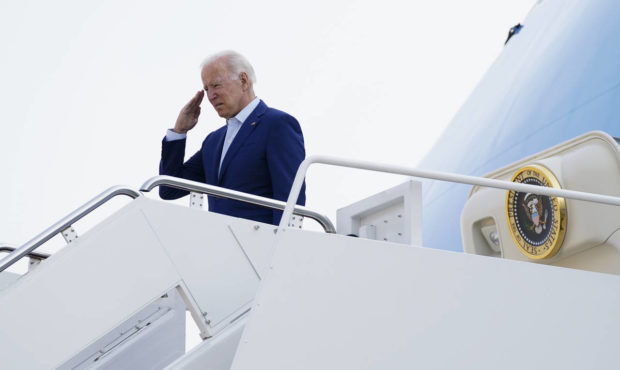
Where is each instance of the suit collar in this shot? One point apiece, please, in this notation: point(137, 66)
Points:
point(243, 115)
point(257, 112)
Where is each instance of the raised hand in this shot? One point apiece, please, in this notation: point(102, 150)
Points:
point(188, 117)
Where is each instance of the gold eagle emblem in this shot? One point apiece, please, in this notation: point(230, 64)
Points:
point(537, 223)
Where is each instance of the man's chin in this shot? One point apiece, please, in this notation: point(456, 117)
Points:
point(222, 114)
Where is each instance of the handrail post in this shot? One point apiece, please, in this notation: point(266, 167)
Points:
point(295, 191)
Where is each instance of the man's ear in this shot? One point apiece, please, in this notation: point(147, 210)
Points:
point(245, 80)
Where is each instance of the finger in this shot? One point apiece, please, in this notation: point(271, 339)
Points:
point(192, 104)
point(201, 95)
point(198, 97)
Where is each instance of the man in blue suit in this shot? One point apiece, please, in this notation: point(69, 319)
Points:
point(258, 151)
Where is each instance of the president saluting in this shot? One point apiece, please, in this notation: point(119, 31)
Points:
point(257, 151)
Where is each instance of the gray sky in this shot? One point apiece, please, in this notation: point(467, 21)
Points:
point(89, 88)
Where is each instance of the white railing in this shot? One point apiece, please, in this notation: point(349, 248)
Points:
point(441, 176)
point(65, 224)
point(202, 188)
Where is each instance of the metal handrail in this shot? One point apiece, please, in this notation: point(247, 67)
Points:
point(441, 176)
point(8, 248)
point(67, 221)
point(199, 187)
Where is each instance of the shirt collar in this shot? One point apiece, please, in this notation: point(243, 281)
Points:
point(245, 112)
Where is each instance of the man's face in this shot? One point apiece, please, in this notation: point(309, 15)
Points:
point(225, 94)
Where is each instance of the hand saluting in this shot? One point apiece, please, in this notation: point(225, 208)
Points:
point(188, 117)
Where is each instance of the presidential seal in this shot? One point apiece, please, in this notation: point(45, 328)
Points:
point(537, 223)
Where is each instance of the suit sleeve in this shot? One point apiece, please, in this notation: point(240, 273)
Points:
point(285, 152)
point(171, 164)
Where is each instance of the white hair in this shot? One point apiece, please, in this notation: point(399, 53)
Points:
point(235, 62)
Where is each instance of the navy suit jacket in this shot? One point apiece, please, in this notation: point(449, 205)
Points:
point(262, 159)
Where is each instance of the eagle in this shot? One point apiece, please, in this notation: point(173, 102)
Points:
point(532, 204)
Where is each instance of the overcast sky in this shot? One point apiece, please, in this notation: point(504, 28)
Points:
point(88, 88)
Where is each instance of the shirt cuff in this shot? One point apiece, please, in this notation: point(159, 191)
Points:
point(172, 136)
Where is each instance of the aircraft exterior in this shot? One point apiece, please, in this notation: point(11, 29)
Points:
point(557, 78)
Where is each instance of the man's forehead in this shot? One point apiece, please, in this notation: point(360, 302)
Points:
point(214, 70)
point(214, 79)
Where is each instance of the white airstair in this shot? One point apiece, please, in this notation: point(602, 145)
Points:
point(116, 296)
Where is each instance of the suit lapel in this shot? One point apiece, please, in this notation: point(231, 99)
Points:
point(213, 158)
point(246, 129)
